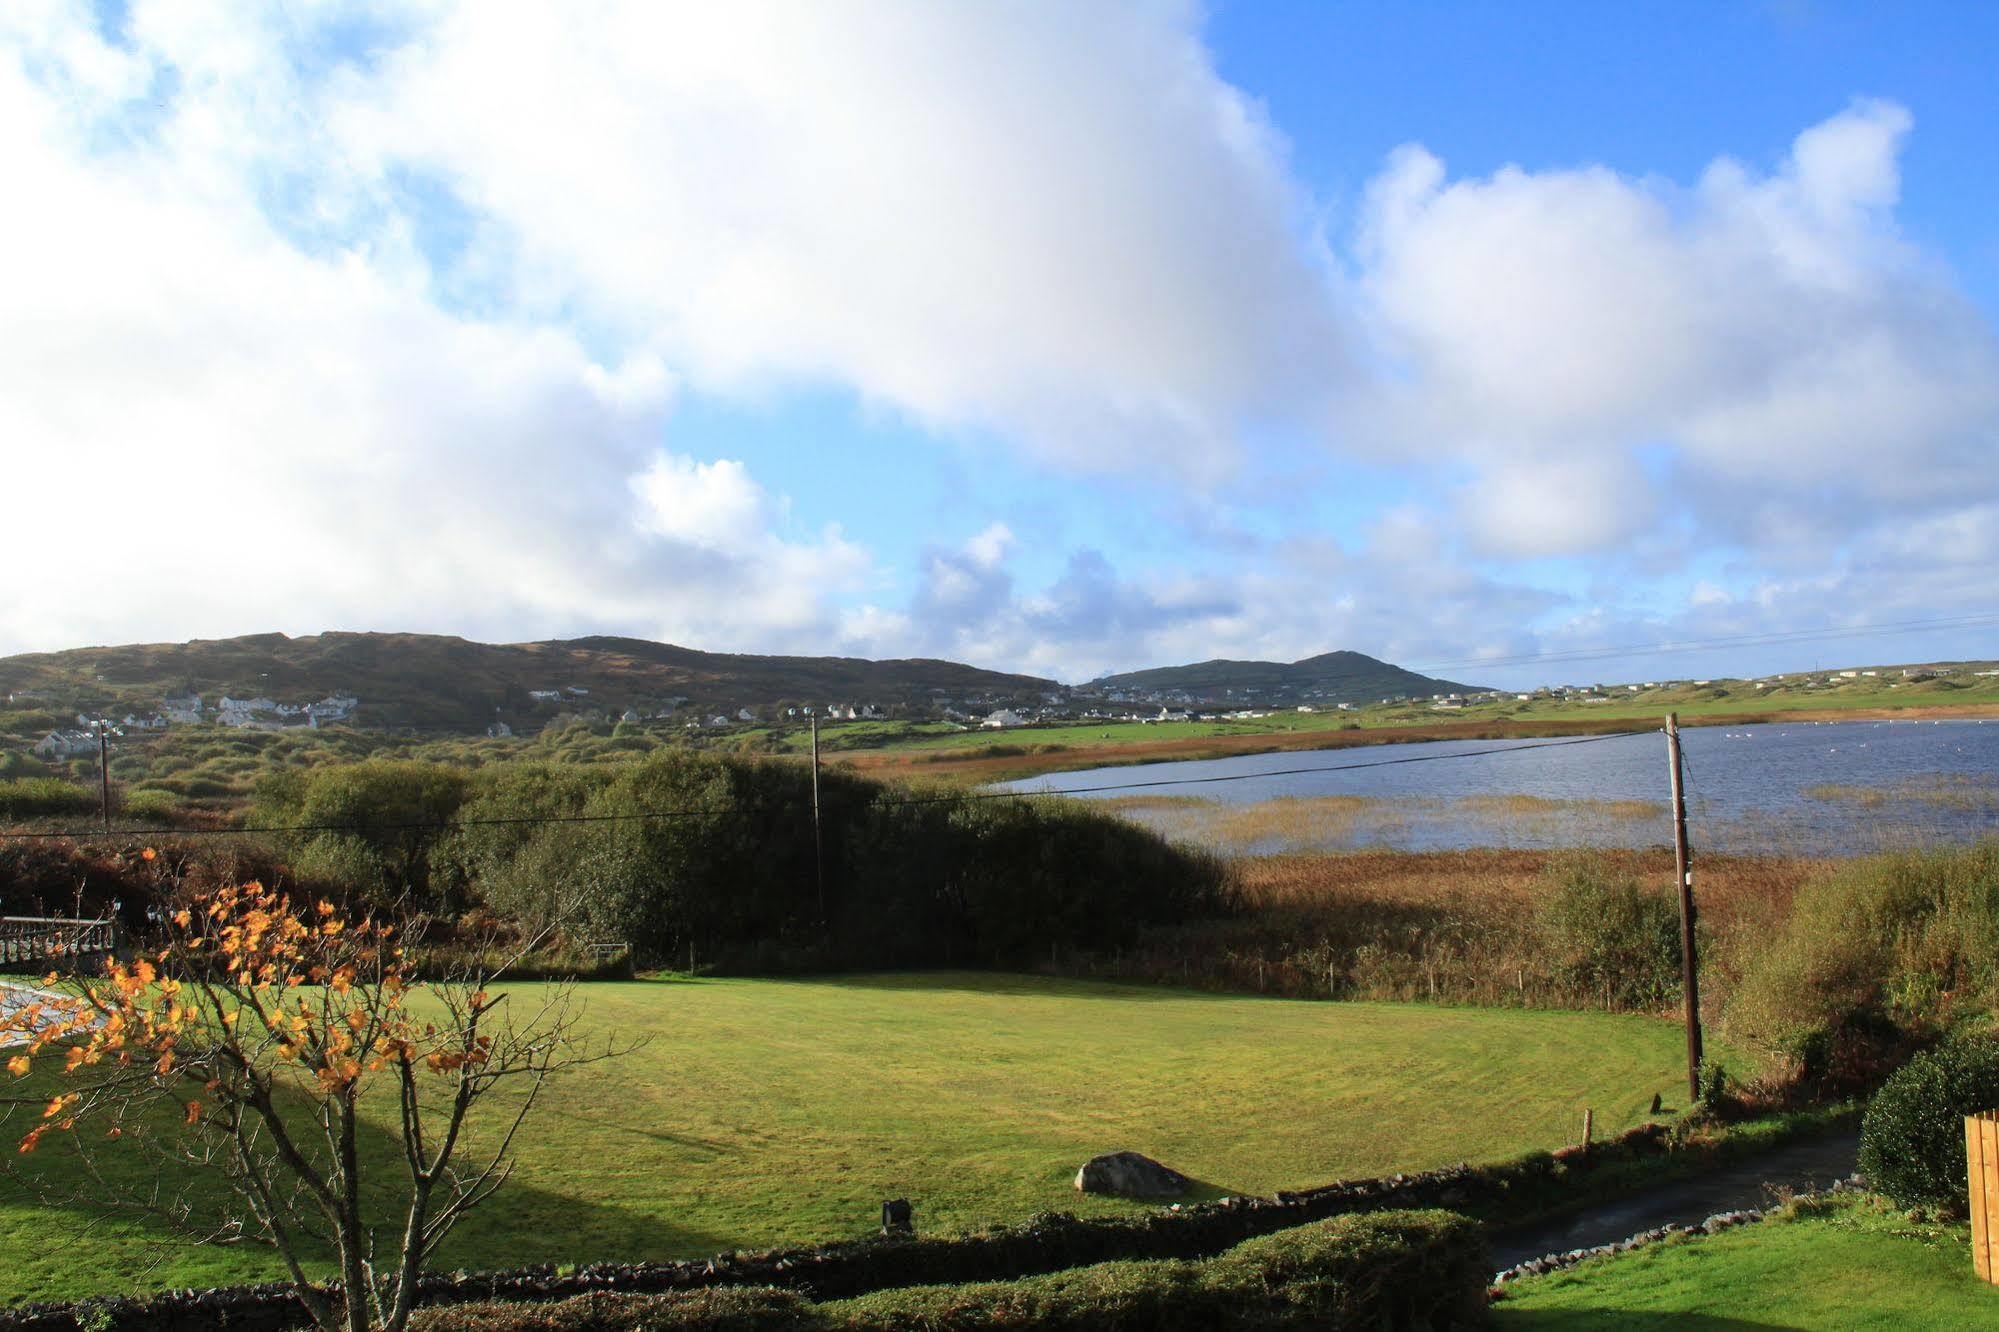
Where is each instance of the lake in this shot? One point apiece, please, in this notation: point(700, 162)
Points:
point(1827, 788)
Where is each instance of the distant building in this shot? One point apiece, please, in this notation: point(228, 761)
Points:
point(499, 730)
point(66, 744)
point(1001, 718)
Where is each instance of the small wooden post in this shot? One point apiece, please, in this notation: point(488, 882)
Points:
point(1981, 1159)
point(1689, 962)
point(1589, 1128)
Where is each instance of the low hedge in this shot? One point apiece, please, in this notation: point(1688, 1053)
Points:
point(1383, 1270)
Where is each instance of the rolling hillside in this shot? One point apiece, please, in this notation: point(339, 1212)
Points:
point(428, 679)
point(1331, 677)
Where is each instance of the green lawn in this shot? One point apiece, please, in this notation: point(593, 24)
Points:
point(769, 1111)
point(1846, 1264)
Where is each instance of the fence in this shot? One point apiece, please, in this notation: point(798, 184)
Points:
point(1981, 1152)
point(39, 943)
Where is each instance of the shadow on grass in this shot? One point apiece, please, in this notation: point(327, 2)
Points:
point(527, 1222)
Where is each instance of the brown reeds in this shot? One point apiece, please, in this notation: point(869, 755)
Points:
point(1445, 926)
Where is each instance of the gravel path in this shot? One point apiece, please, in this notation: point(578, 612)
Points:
point(1802, 1167)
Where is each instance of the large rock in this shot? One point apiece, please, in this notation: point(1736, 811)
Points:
point(1130, 1175)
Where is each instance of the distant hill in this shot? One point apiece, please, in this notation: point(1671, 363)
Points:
point(429, 679)
point(1332, 677)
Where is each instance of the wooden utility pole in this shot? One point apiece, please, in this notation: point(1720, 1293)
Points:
point(818, 856)
point(103, 780)
point(1689, 960)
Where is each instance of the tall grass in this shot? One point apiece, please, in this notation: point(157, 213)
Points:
point(1490, 927)
point(1878, 954)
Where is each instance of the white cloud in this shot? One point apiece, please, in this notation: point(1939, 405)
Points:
point(210, 431)
point(393, 338)
point(1772, 333)
point(1050, 221)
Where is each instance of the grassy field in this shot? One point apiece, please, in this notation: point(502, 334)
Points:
point(1846, 1264)
point(777, 1111)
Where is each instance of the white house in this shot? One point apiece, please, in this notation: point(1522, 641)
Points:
point(1002, 718)
point(66, 744)
point(545, 695)
point(744, 714)
point(258, 704)
point(499, 730)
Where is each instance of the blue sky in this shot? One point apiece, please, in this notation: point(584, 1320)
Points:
point(1055, 338)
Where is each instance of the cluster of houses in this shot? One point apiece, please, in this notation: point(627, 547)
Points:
point(261, 714)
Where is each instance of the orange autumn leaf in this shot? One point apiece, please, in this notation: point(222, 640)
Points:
point(18, 1066)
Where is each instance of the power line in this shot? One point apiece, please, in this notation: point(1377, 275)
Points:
point(453, 825)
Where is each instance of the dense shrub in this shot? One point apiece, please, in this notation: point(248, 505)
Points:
point(1608, 935)
point(1382, 1270)
point(44, 797)
point(692, 851)
point(1912, 1139)
point(1883, 952)
point(723, 1309)
point(375, 825)
point(149, 805)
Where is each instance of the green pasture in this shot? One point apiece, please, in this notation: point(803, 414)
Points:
point(1845, 1264)
point(763, 1111)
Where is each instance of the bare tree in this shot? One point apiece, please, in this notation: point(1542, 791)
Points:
point(248, 1058)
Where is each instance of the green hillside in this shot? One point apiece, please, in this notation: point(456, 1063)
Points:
point(1331, 677)
point(431, 679)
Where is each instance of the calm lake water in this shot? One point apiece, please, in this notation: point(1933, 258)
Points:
point(1839, 788)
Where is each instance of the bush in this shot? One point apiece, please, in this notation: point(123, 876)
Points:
point(1912, 1138)
point(1888, 951)
point(149, 805)
point(1608, 935)
point(393, 807)
point(1385, 1269)
point(749, 1309)
point(44, 797)
point(685, 849)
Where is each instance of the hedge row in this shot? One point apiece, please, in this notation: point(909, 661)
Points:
point(1386, 1270)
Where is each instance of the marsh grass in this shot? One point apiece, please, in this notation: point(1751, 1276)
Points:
point(1461, 927)
point(1347, 822)
point(1959, 792)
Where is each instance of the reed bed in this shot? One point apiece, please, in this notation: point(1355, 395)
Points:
point(1289, 824)
point(1459, 927)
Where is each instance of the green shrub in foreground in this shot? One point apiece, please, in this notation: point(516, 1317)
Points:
point(1384, 1270)
point(1912, 1139)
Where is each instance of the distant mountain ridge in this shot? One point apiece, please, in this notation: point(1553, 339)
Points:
point(433, 679)
point(1331, 677)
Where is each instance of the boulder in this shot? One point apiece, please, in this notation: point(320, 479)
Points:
point(1130, 1175)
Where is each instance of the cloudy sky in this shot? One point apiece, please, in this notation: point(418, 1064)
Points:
point(1047, 336)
